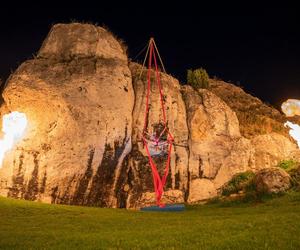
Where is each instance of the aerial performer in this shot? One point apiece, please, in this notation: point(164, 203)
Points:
point(157, 138)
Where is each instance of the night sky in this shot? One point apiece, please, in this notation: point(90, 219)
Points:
point(257, 47)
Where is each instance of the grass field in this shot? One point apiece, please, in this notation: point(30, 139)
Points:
point(273, 224)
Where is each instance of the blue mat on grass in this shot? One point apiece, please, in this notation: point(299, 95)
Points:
point(167, 208)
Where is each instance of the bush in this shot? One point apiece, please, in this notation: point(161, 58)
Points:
point(239, 182)
point(198, 78)
point(288, 165)
point(292, 167)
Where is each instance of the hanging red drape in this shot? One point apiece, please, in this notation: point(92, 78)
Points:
point(158, 182)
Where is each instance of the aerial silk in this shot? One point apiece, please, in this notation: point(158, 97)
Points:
point(156, 141)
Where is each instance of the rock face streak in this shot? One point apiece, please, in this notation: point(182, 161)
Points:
point(85, 105)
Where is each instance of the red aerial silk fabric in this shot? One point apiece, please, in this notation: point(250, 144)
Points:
point(158, 182)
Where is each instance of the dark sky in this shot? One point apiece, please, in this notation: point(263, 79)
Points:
point(257, 46)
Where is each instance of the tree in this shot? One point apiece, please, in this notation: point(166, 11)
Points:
point(198, 78)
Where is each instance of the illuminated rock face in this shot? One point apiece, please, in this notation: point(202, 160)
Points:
point(140, 178)
point(271, 148)
point(78, 97)
point(85, 108)
point(217, 149)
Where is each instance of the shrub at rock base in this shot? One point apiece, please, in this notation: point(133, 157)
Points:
point(239, 182)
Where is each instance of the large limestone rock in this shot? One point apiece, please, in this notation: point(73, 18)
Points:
point(255, 117)
point(78, 97)
point(272, 180)
point(217, 150)
point(85, 105)
point(272, 148)
point(67, 42)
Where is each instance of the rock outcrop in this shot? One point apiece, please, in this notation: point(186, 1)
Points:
point(213, 139)
point(270, 149)
point(255, 117)
point(78, 97)
point(85, 104)
point(272, 180)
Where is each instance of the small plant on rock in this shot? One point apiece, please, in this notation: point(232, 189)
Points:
point(288, 165)
point(198, 78)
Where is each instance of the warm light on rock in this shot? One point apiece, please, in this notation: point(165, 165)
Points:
point(85, 108)
point(294, 131)
point(291, 107)
point(13, 127)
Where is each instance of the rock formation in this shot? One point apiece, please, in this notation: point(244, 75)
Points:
point(272, 180)
point(255, 117)
point(78, 97)
point(85, 105)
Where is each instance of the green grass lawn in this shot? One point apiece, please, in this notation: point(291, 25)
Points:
point(274, 224)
